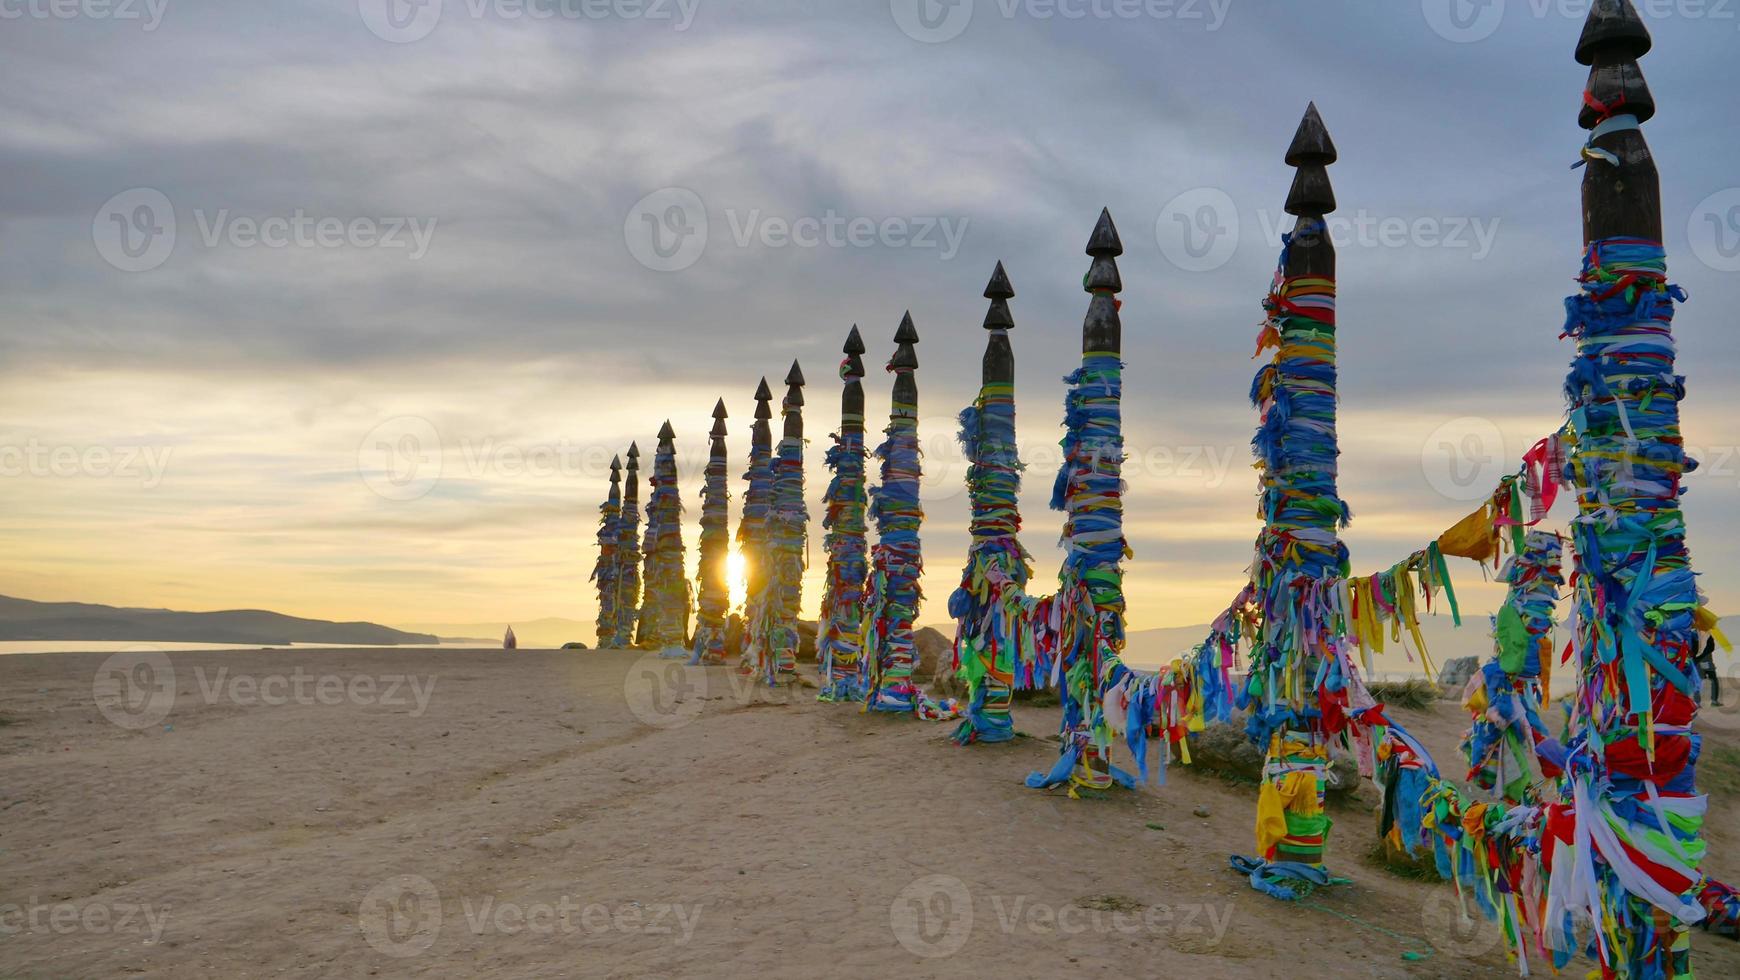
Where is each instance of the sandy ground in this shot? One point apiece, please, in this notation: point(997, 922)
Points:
point(381, 813)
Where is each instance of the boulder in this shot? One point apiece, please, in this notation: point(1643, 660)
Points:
point(1457, 671)
point(573, 645)
point(935, 655)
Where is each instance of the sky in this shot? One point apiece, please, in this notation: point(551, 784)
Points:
point(341, 308)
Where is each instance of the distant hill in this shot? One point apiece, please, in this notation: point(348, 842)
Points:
point(25, 619)
point(542, 634)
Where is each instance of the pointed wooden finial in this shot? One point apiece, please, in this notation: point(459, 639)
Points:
point(666, 433)
point(854, 342)
point(762, 396)
point(1104, 240)
point(998, 291)
point(998, 366)
point(633, 455)
point(719, 410)
point(1621, 189)
point(1311, 142)
point(1615, 27)
point(1311, 152)
point(795, 377)
point(615, 464)
point(1101, 329)
point(907, 334)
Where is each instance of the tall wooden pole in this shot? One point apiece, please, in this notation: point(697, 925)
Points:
point(1089, 490)
point(1297, 664)
point(628, 554)
point(839, 635)
point(1637, 839)
point(752, 534)
point(987, 607)
point(714, 581)
point(897, 560)
point(664, 616)
point(788, 529)
point(605, 571)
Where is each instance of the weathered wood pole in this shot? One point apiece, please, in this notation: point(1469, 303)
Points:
point(628, 554)
point(605, 570)
point(664, 613)
point(1638, 831)
point(897, 560)
point(713, 579)
point(788, 529)
point(840, 634)
point(1089, 490)
point(752, 535)
point(987, 605)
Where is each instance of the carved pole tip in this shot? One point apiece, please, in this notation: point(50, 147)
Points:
point(1104, 240)
point(1613, 27)
point(854, 343)
point(907, 334)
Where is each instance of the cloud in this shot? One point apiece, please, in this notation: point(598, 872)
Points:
point(530, 332)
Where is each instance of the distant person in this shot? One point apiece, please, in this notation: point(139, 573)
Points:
point(1705, 662)
point(508, 642)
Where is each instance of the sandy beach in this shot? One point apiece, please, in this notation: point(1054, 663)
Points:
point(422, 813)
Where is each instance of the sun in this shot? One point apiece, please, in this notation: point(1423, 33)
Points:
point(737, 577)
